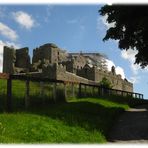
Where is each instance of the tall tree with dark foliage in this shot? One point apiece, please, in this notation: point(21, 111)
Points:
point(131, 28)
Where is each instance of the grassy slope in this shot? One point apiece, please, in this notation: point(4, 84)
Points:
point(78, 121)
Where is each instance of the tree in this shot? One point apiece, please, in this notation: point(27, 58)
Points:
point(105, 83)
point(131, 28)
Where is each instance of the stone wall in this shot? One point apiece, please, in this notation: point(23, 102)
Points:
point(52, 62)
point(74, 63)
point(58, 72)
point(62, 55)
point(22, 58)
point(9, 59)
point(94, 74)
point(42, 53)
point(47, 54)
point(79, 62)
point(116, 80)
point(15, 61)
point(87, 72)
point(49, 71)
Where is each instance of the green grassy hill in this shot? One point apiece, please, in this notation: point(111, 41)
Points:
point(78, 120)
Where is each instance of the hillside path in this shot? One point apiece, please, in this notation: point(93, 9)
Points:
point(131, 127)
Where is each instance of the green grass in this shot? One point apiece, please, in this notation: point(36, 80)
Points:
point(79, 121)
point(29, 128)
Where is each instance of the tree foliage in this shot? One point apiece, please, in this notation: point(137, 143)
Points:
point(105, 83)
point(131, 28)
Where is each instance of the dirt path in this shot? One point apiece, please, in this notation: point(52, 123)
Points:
point(132, 126)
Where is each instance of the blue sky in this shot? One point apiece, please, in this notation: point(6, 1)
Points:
point(74, 28)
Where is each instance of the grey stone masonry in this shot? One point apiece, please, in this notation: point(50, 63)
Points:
point(9, 59)
point(16, 61)
point(50, 61)
point(22, 58)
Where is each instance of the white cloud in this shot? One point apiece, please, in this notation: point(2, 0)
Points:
point(136, 69)
point(107, 25)
point(100, 28)
point(119, 70)
point(2, 44)
point(109, 64)
point(24, 19)
point(135, 79)
point(130, 56)
point(8, 32)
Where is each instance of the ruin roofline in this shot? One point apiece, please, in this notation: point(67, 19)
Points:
point(52, 62)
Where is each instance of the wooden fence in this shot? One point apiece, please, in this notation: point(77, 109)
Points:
point(82, 88)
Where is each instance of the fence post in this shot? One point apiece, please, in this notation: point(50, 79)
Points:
point(102, 91)
point(131, 94)
point(80, 93)
point(41, 88)
point(108, 92)
point(54, 91)
point(42, 95)
point(65, 91)
point(9, 95)
point(122, 94)
point(116, 92)
point(27, 98)
point(73, 90)
point(135, 95)
point(85, 91)
point(98, 90)
point(93, 91)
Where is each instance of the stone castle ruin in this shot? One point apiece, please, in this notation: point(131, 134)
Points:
point(50, 61)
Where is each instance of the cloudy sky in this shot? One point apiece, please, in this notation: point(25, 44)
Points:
point(74, 28)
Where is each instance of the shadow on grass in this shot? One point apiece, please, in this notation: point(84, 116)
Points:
point(88, 115)
point(84, 114)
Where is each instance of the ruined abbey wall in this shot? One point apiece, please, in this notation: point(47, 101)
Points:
point(58, 72)
point(97, 75)
point(22, 58)
point(16, 61)
point(9, 59)
point(45, 53)
point(51, 62)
